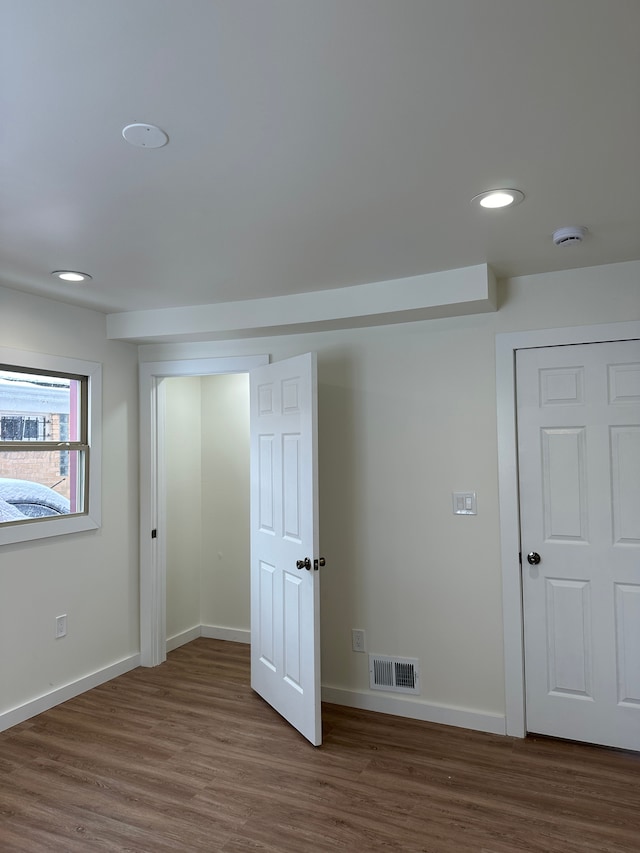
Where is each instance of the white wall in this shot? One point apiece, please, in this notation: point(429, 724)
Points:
point(183, 465)
point(408, 415)
point(92, 576)
point(207, 487)
point(225, 502)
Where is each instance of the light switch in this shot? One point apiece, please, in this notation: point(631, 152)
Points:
point(464, 503)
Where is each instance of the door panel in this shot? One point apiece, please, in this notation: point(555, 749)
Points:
point(564, 484)
point(291, 476)
point(285, 607)
point(292, 612)
point(265, 647)
point(265, 484)
point(628, 638)
point(569, 659)
point(579, 469)
point(625, 484)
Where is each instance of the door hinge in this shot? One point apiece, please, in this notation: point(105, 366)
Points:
point(154, 533)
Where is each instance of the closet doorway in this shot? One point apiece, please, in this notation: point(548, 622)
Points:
point(153, 492)
point(206, 495)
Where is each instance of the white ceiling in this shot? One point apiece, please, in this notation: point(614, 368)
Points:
point(314, 144)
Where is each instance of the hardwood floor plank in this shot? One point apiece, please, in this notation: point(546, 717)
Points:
point(185, 757)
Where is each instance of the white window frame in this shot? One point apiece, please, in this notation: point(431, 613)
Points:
point(42, 528)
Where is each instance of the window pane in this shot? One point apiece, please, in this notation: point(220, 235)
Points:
point(38, 407)
point(40, 483)
point(50, 406)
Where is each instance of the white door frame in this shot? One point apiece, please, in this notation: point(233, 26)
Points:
point(153, 571)
point(506, 347)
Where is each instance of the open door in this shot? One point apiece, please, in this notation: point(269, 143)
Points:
point(285, 601)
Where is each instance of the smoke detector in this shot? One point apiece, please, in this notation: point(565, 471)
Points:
point(145, 135)
point(571, 235)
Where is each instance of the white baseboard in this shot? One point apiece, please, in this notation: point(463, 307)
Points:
point(234, 635)
point(185, 637)
point(400, 707)
point(405, 707)
point(212, 632)
point(61, 694)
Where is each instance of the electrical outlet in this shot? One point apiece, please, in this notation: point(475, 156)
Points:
point(61, 626)
point(358, 640)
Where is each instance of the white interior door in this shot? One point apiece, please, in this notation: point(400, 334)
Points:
point(579, 466)
point(285, 602)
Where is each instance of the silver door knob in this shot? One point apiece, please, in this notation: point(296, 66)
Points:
point(304, 564)
point(533, 558)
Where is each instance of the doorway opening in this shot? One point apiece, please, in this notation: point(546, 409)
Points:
point(153, 546)
point(285, 604)
point(205, 454)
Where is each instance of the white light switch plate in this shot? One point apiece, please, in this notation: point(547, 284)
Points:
point(464, 503)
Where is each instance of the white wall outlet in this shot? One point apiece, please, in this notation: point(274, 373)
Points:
point(61, 626)
point(358, 643)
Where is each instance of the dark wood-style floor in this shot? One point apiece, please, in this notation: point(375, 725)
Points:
point(185, 757)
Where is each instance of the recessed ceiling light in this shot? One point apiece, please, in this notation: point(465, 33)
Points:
point(495, 199)
point(70, 275)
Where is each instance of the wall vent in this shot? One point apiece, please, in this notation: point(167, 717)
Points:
point(400, 675)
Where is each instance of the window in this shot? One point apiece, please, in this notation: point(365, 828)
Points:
point(49, 446)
